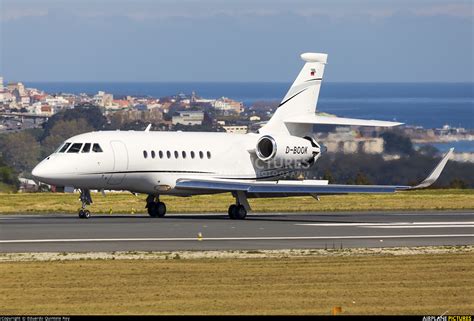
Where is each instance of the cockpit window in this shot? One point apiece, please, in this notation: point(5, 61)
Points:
point(75, 148)
point(96, 148)
point(87, 148)
point(64, 148)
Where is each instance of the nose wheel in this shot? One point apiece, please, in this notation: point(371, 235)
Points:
point(86, 199)
point(84, 213)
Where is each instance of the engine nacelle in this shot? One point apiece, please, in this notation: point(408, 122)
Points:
point(287, 149)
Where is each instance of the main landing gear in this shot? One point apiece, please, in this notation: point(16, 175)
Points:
point(155, 207)
point(239, 210)
point(86, 199)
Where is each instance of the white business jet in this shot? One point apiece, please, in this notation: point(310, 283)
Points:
point(190, 163)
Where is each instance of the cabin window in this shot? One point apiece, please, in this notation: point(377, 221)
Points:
point(201, 155)
point(160, 153)
point(168, 154)
point(184, 154)
point(152, 154)
point(64, 148)
point(145, 154)
point(96, 148)
point(86, 148)
point(176, 154)
point(209, 155)
point(192, 155)
point(75, 148)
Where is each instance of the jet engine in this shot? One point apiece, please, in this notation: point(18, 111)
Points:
point(287, 149)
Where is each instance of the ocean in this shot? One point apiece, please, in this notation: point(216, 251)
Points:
point(430, 105)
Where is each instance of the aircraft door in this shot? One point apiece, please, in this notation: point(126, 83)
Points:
point(120, 163)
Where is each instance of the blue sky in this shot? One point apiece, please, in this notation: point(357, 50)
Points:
point(210, 40)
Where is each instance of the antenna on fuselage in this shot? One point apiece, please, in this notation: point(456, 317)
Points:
point(147, 129)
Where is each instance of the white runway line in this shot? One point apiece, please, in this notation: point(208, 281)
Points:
point(263, 238)
point(397, 225)
point(419, 226)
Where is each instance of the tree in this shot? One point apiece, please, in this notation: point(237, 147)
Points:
point(63, 130)
point(361, 179)
point(8, 176)
point(328, 176)
point(458, 183)
point(91, 114)
point(397, 144)
point(20, 151)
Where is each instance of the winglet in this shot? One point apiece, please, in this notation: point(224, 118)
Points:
point(436, 172)
point(147, 129)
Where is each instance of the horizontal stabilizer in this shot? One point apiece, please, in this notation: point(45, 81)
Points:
point(325, 120)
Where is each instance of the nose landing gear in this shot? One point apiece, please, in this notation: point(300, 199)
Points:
point(86, 199)
point(155, 207)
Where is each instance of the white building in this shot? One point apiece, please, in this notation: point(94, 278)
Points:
point(57, 101)
point(103, 99)
point(188, 118)
point(236, 129)
point(227, 104)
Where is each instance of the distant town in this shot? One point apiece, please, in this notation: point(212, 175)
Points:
point(28, 108)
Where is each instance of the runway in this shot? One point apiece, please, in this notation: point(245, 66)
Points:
point(58, 233)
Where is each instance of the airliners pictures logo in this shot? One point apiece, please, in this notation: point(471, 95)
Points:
point(448, 318)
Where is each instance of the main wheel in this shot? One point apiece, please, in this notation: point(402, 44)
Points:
point(231, 211)
point(81, 213)
point(240, 212)
point(160, 209)
point(151, 207)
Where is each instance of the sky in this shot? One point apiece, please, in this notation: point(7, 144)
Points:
point(216, 40)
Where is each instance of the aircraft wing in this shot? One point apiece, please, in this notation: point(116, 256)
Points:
point(312, 187)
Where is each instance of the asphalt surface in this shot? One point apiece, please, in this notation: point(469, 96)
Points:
point(57, 233)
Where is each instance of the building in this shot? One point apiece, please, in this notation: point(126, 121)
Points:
point(18, 86)
point(347, 141)
point(188, 118)
point(103, 99)
point(236, 129)
point(227, 104)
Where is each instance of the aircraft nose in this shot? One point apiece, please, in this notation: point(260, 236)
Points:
point(41, 172)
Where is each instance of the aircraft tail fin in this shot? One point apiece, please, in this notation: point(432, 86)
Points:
point(302, 97)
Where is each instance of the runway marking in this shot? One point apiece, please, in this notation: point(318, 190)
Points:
point(396, 224)
point(419, 226)
point(263, 238)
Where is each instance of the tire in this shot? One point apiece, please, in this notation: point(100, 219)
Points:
point(151, 208)
point(232, 211)
point(160, 209)
point(81, 214)
point(86, 214)
point(240, 212)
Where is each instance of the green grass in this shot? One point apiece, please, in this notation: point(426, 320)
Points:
point(436, 199)
point(413, 284)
